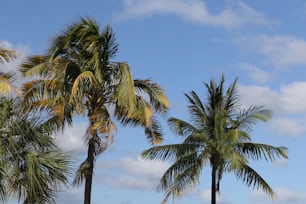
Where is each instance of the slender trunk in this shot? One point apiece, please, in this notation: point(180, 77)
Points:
point(89, 173)
point(213, 185)
point(90, 152)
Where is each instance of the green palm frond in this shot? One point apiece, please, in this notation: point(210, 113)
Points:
point(258, 151)
point(80, 174)
point(252, 179)
point(124, 89)
point(45, 166)
point(180, 127)
point(169, 152)
point(35, 167)
point(183, 173)
point(110, 47)
point(35, 65)
point(197, 138)
point(248, 117)
point(231, 102)
point(154, 133)
point(196, 109)
point(234, 136)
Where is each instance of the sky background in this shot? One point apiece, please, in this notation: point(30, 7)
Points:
point(180, 44)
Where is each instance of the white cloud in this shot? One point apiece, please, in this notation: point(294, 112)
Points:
point(284, 196)
point(259, 95)
point(13, 66)
point(280, 51)
point(233, 15)
point(135, 173)
point(289, 99)
point(256, 74)
point(72, 139)
point(293, 97)
point(206, 197)
point(22, 52)
point(287, 126)
point(287, 103)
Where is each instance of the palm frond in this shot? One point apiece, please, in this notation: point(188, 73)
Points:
point(258, 151)
point(110, 48)
point(154, 92)
point(183, 174)
point(7, 54)
point(248, 117)
point(196, 109)
point(80, 174)
point(169, 152)
point(180, 127)
point(231, 102)
point(35, 65)
point(7, 84)
point(81, 86)
point(154, 133)
point(125, 95)
point(251, 178)
point(36, 168)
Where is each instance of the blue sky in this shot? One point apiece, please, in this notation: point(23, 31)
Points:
point(180, 44)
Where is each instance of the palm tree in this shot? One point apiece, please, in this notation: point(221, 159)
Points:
point(79, 78)
point(219, 136)
point(31, 167)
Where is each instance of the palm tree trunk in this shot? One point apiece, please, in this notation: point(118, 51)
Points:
point(213, 185)
point(89, 173)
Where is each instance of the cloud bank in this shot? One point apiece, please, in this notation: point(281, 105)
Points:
point(281, 51)
point(133, 173)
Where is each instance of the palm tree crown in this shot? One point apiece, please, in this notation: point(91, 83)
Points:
point(219, 136)
point(79, 78)
point(32, 168)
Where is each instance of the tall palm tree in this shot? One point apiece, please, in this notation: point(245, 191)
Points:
point(79, 78)
point(219, 135)
point(31, 167)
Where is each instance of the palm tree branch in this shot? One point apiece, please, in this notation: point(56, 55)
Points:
point(251, 178)
point(154, 92)
point(259, 151)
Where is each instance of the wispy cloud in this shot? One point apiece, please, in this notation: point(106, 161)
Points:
point(72, 138)
point(22, 52)
point(284, 196)
point(279, 51)
point(289, 126)
point(257, 75)
point(289, 99)
point(236, 14)
point(287, 105)
point(133, 173)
